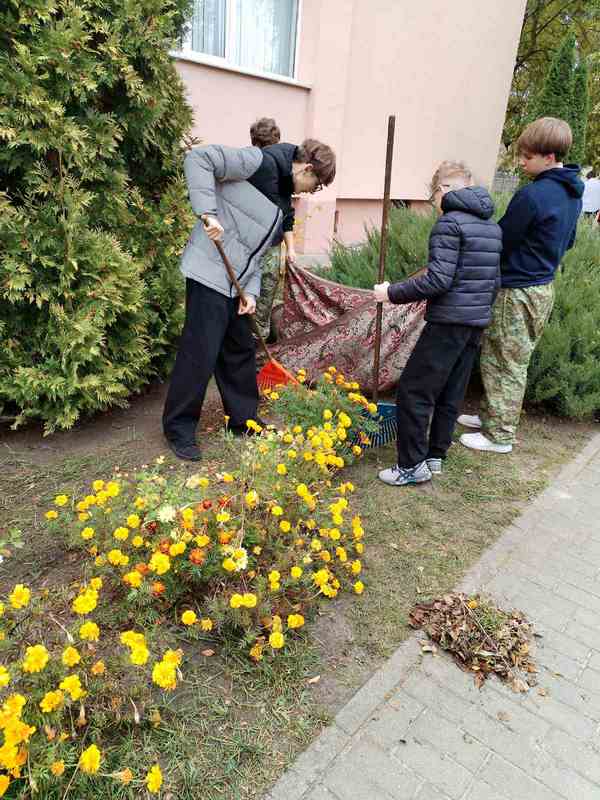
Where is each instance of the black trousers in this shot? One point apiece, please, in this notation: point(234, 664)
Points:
point(217, 341)
point(431, 390)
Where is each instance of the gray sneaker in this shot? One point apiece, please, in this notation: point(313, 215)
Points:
point(435, 465)
point(405, 476)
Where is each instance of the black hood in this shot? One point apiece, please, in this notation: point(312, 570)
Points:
point(283, 153)
point(568, 176)
point(473, 200)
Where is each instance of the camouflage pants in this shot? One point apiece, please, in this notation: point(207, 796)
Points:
point(268, 289)
point(518, 320)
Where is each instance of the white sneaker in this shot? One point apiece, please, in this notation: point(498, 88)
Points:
point(435, 465)
point(477, 441)
point(469, 421)
point(405, 476)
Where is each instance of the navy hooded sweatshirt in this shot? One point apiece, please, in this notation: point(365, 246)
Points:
point(539, 226)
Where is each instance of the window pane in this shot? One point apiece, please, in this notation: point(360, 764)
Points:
point(208, 27)
point(265, 35)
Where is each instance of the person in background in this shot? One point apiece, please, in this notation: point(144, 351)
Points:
point(460, 284)
point(286, 169)
point(539, 226)
point(264, 131)
point(591, 196)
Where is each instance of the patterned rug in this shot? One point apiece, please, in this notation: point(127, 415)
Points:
point(322, 323)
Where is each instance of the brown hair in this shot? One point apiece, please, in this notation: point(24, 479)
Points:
point(264, 131)
point(456, 173)
point(322, 158)
point(546, 136)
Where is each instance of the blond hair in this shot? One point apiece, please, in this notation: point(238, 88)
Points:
point(546, 136)
point(454, 174)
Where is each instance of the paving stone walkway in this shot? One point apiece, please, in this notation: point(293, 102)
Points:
point(420, 730)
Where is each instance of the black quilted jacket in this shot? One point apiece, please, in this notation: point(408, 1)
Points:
point(463, 273)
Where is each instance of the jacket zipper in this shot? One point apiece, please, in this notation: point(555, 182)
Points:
point(255, 251)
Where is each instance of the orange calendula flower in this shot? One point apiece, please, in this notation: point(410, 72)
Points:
point(57, 768)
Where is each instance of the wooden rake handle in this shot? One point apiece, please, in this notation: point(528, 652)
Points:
point(383, 249)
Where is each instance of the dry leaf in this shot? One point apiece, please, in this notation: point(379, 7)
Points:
point(543, 692)
point(503, 716)
point(207, 653)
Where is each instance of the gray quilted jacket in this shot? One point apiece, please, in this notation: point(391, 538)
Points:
point(217, 184)
point(463, 273)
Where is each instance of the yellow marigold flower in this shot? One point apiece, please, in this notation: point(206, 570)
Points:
point(356, 567)
point(249, 600)
point(14, 704)
point(308, 456)
point(36, 658)
point(295, 621)
point(20, 596)
point(173, 657)
point(325, 556)
point(316, 545)
point(154, 779)
point(227, 477)
point(321, 577)
point(99, 561)
point(223, 516)
point(132, 638)
point(189, 617)
point(112, 489)
point(57, 768)
point(85, 602)
point(133, 578)
point(115, 557)
point(206, 624)
point(276, 640)
point(52, 514)
point(82, 505)
point(297, 429)
point(229, 565)
point(99, 668)
point(277, 511)
point(356, 450)
point(4, 784)
point(177, 549)
point(359, 547)
point(341, 554)
point(281, 469)
point(137, 541)
point(257, 550)
point(292, 454)
point(256, 651)
point(327, 414)
point(236, 600)
point(160, 563)
point(51, 701)
point(274, 576)
point(202, 540)
point(87, 533)
point(72, 685)
point(359, 587)
point(96, 584)
point(61, 499)
point(89, 761)
point(133, 521)
point(285, 526)
point(251, 498)
point(98, 485)
point(302, 490)
point(163, 675)
point(296, 572)
point(121, 533)
point(139, 503)
point(4, 676)
point(70, 657)
point(139, 655)
point(84, 516)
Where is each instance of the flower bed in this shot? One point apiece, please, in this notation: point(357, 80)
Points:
point(247, 553)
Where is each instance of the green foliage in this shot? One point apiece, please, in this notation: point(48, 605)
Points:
point(93, 214)
point(556, 96)
point(564, 375)
point(407, 251)
point(579, 113)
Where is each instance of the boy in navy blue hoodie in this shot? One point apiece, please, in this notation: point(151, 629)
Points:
point(539, 226)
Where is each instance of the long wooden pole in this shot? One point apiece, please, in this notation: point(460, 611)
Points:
point(383, 249)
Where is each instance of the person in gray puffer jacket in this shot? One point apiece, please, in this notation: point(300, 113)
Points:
point(217, 338)
point(460, 285)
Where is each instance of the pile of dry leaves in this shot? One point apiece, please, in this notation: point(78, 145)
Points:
point(482, 638)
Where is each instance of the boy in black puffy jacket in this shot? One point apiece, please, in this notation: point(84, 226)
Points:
point(460, 285)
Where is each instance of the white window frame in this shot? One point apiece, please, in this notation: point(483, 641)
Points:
point(185, 52)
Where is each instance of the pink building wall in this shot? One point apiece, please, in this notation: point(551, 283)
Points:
point(443, 68)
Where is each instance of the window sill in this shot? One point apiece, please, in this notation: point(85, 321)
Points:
point(219, 63)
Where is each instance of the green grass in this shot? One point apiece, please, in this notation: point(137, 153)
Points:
point(232, 726)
